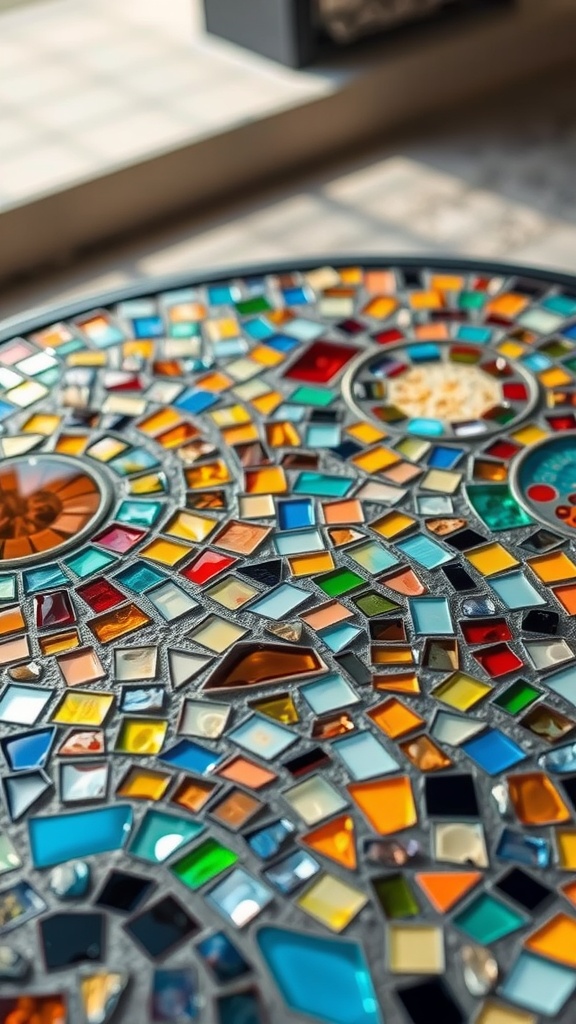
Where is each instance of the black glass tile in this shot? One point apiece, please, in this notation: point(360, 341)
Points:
point(387, 629)
point(72, 938)
point(458, 577)
point(430, 1002)
point(542, 540)
point(521, 887)
point(451, 796)
point(222, 957)
point(161, 927)
point(355, 668)
point(464, 540)
point(569, 787)
point(308, 762)
point(346, 450)
point(538, 621)
point(325, 416)
point(123, 891)
point(268, 573)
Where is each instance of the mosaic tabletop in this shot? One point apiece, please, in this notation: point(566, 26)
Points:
point(288, 696)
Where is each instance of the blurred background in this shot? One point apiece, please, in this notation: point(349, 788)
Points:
point(134, 142)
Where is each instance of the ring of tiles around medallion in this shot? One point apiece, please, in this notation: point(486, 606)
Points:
point(288, 695)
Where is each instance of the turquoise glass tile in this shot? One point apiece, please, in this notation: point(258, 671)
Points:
point(322, 484)
point(471, 332)
point(564, 305)
point(7, 588)
point(364, 756)
point(140, 577)
point(430, 428)
point(515, 591)
point(424, 551)
point(431, 616)
point(62, 837)
point(425, 352)
point(323, 435)
point(488, 919)
point(538, 985)
point(564, 683)
point(308, 395)
point(280, 602)
point(263, 737)
point(340, 636)
point(139, 513)
point(38, 580)
point(304, 330)
point(135, 460)
point(88, 561)
point(329, 693)
point(324, 979)
point(159, 835)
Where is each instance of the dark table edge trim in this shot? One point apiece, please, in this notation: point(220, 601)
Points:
point(46, 315)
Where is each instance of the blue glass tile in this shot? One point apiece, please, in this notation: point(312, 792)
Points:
point(469, 332)
point(222, 958)
point(292, 871)
point(443, 457)
point(515, 591)
point(339, 637)
point(263, 737)
point(297, 296)
point(196, 401)
point(431, 616)
point(532, 851)
point(323, 978)
point(139, 577)
point(159, 835)
point(88, 561)
point(267, 842)
point(135, 460)
point(38, 580)
point(328, 694)
point(174, 991)
point(295, 514)
point(322, 484)
point(239, 897)
point(425, 352)
point(139, 513)
point(364, 756)
point(538, 985)
point(282, 343)
point(430, 428)
point(281, 601)
point(287, 411)
point(536, 361)
point(570, 332)
point(323, 435)
point(148, 327)
point(28, 749)
point(493, 751)
point(192, 757)
point(222, 294)
point(229, 348)
point(424, 551)
point(6, 410)
point(560, 761)
point(62, 837)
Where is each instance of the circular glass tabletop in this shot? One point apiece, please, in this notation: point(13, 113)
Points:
point(287, 599)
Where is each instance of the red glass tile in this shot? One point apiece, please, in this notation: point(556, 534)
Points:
point(389, 336)
point(100, 595)
point(503, 449)
point(207, 565)
point(563, 422)
point(498, 660)
point(322, 361)
point(119, 538)
point(542, 492)
point(515, 391)
point(485, 631)
point(54, 609)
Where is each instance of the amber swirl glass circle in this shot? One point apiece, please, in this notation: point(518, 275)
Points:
point(47, 503)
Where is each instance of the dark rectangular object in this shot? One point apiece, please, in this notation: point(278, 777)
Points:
point(280, 29)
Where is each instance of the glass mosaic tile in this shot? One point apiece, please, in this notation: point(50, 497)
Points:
point(286, 632)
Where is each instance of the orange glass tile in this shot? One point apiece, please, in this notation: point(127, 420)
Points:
point(308, 565)
point(569, 891)
point(555, 377)
point(367, 433)
point(379, 282)
point(177, 435)
point(426, 300)
point(282, 435)
point(141, 348)
point(267, 403)
point(267, 356)
point(425, 754)
point(71, 444)
point(509, 305)
point(17, 649)
point(536, 800)
point(492, 471)
point(335, 840)
point(392, 654)
point(144, 784)
point(159, 421)
point(555, 567)
point(447, 282)
point(268, 480)
point(240, 435)
point(185, 311)
point(555, 940)
point(192, 794)
point(397, 682)
point(340, 535)
point(236, 809)
point(394, 718)
point(444, 889)
point(405, 582)
point(11, 620)
point(326, 615)
point(213, 382)
point(247, 773)
point(380, 307)
point(59, 642)
point(241, 538)
point(401, 473)
point(375, 459)
point(343, 512)
point(207, 475)
point(431, 332)
point(117, 623)
point(387, 804)
point(566, 595)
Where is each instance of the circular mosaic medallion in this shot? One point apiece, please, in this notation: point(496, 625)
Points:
point(288, 697)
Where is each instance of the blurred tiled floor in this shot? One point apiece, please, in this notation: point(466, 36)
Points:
point(494, 180)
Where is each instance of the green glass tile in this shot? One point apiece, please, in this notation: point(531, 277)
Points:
point(496, 506)
point(184, 330)
point(517, 697)
point(259, 304)
point(396, 897)
point(312, 396)
point(471, 300)
point(339, 582)
point(570, 364)
point(487, 919)
point(7, 588)
point(204, 863)
point(372, 603)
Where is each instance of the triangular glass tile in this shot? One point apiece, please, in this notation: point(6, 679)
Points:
point(335, 840)
point(268, 573)
point(291, 631)
point(22, 791)
point(454, 729)
point(20, 444)
point(100, 994)
point(256, 664)
point(28, 750)
point(184, 666)
point(281, 708)
point(445, 889)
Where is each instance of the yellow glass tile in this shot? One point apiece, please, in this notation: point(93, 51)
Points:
point(397, 682)
point(413, 448)
point(556, 940)
point(367, 433)
point(553, 567)
point(426, 300)
point(268, 480)
point(86, 359)
point(141, 736)
point(491, 558)
point(392, 524)
point(151, 483)
point(230, 416)
point(566, 844)
point(496, 1013)
point(447, 282)
point(461, 691)
point(281, 708)
point(282, 434)
point(224, 327)
point(140, 347)
point(332, 902)
point(59, 642)
point(118, 622)
point(530, 434)
point(106, 448)
point(554, 377)
point(41, 423)
point(207, 475)
point(213, 382)
point(375, 459)
point(443, 480)
point(241, 434)
point(387, 804)
point(167, 552)
point(71, 444)
point(380, 307)
point(232, 593)
point(144, 784)
point(79, 707)
point(256, 506)
point(392, 654)
point(217, 634)
point(159, 421)
point(415, 949)
point(307, 565)
point(266, 404)
point(394, 718)
point(267, 356)
point(190, 526)
point(11, 620)
point(123, 405)
point(508, 305)
point(351, 275)
point(511, 349)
